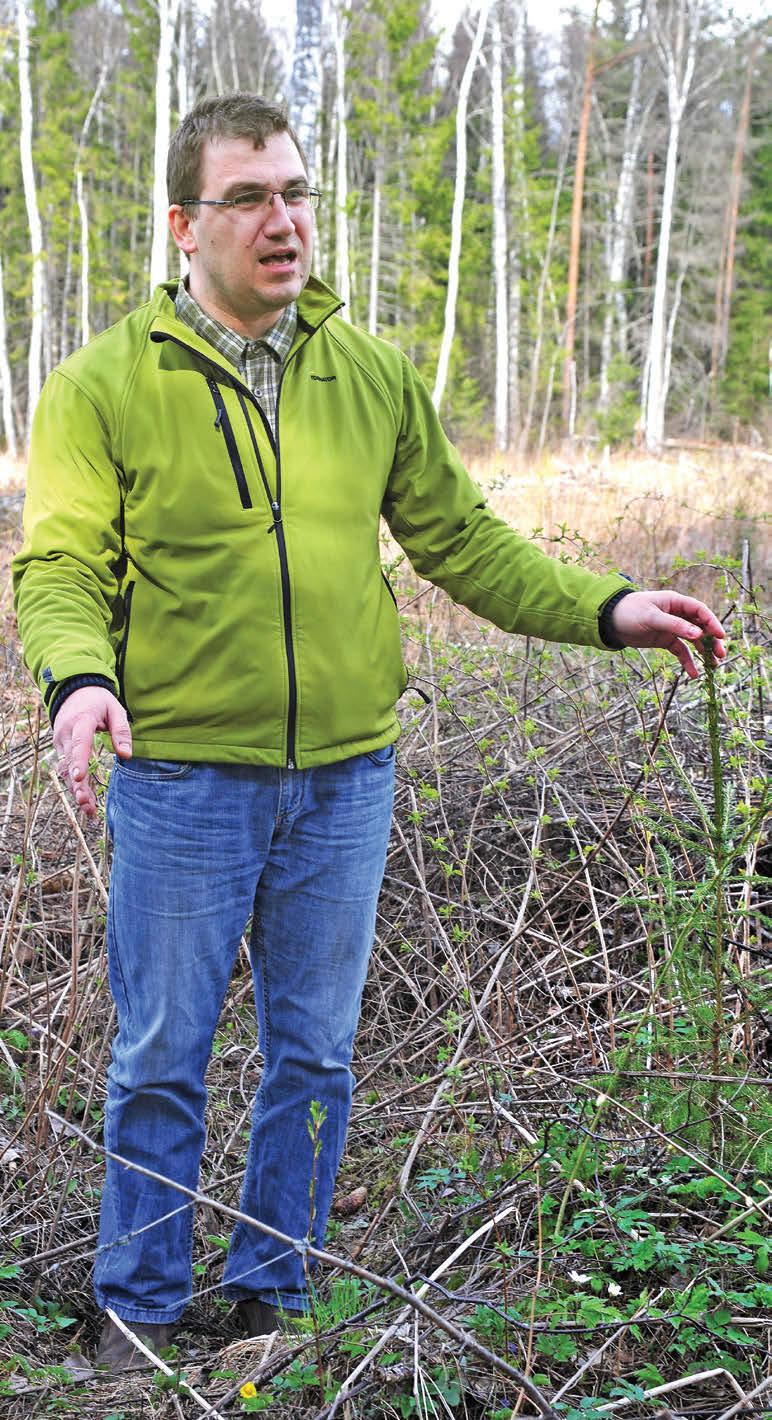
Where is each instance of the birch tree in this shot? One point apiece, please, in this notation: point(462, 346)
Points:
point(675, 43)
point(5, 376)
point(167, 22)
point(33, 215)
point(342, 276)
point(501, 412)
point(521, 223)
point(306, 82)
point(449, 328)
point(621, 225)
point(726, 264)
point(569, 372)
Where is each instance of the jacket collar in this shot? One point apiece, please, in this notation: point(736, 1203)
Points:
point(316, 303)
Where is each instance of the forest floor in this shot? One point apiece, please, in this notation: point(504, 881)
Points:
point(556, 1196)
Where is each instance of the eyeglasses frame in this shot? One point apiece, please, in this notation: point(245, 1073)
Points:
point(311, 197)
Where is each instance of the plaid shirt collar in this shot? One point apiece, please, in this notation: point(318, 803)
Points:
point(238, 349)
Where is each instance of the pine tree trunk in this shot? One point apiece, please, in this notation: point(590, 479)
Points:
point(33, 217)
point(501, 417)
point(342, 277)
point(6, 389)
point(167, 18)
point(454, 260)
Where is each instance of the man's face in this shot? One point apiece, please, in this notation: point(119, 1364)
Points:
point(245, 267)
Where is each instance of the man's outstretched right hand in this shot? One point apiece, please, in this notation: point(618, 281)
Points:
point(84, 713)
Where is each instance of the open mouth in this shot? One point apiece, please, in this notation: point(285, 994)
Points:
point(279, 258)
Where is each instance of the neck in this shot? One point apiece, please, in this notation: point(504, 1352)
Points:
point(250, 327)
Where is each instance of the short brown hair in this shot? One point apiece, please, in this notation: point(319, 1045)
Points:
point(236, 115)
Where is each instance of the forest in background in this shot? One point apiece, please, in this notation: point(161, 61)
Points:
point(565, 238)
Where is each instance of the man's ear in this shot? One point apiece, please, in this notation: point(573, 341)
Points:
point(181, 228)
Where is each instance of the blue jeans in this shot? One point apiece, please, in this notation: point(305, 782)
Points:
point(197, 849)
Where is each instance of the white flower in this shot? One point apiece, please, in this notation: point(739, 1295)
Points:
point(579, 1276)
point(614, 1289)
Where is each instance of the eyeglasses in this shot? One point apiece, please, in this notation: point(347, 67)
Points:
point(260, 199)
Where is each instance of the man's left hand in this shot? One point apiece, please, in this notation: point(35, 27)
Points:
point(668, 620)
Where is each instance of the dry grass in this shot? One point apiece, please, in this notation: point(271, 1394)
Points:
point(647, 515)
point(543, 942)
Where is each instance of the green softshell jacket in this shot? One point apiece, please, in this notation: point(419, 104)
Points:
point(228, 584)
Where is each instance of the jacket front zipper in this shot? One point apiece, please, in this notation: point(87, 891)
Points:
point(277, 526)
point(120, 660)
point(281, 547)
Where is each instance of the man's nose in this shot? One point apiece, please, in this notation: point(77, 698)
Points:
point(278, 218)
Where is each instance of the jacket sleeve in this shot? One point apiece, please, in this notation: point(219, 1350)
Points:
point(65, 576)
point(440, 518)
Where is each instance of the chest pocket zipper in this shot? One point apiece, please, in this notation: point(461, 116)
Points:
point(223, 423)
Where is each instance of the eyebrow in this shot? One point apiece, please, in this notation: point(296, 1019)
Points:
point(241, 185)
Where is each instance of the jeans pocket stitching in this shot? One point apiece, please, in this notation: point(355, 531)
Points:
point(151, 773)
point(374, 755)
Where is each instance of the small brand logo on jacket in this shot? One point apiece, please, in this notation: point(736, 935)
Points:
point(324, 379)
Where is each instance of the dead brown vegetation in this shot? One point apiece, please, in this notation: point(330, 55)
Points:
point(536, 1034)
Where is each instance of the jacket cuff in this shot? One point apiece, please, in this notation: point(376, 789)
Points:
point(607, 635)
point(61, 691)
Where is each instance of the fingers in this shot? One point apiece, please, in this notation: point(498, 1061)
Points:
point(84, 713)
point(695, 619)
point(670, 621)
point(80, 750)
point(118, 727)
point(684, 655)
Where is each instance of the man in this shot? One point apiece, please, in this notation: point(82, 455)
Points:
point(201, 580)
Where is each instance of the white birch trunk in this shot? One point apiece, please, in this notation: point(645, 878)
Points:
point(677, 54)
point(620, 228)
point(544, 279)
point(306, 83)
point(85, 328)
point(521, 221)
point(235, 79)
point(5, 377)
point(375, 246)
point(33, 216)
point(215, 58)
point(167, 20)
point(342, 277)
point(672, 318)
point(501, 418)
point(183, 89)
point(82, 205)
point(454, 259)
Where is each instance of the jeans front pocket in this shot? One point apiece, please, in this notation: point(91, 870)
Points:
point(382, 756)
point(154, 771)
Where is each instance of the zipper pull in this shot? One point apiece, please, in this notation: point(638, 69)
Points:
point(276, 510)
point(218, 404)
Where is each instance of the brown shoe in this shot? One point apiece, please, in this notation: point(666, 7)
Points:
point(117, 1354)
point(260, 1318)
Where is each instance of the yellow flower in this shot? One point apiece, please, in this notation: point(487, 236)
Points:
point(248, 1390)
